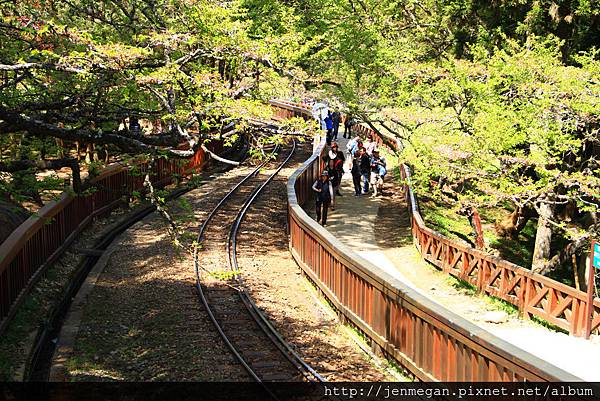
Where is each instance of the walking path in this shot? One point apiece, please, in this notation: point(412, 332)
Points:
point(378, 229)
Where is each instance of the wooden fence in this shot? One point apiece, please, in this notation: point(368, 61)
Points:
point(41, 240)
point(533, 294)
point(430, 341)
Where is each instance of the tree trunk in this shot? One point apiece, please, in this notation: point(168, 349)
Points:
point(513, 224)
point(584, 265)
point(541, 252)
point(89, 150)
point(12, 215)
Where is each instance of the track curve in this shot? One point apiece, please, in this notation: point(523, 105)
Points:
point(266, 357)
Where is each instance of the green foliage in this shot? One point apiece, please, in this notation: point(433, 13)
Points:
point(87, 67)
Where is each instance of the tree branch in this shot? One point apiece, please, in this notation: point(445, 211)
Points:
point(20, 165)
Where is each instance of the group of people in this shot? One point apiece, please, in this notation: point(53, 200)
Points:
point(366, 165)
point(332, 123)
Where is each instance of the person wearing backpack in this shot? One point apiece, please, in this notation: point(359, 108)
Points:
point(335, 178)
point(333, 153)
point(378, 171)
point(329, 127)
point(324, 197)
point(348, 123)
point(349, 145)
point(335, 119)
point(339, 159)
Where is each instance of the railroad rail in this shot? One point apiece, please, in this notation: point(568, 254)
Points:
point(39, 363)
point(252, 339)
point(431, 342)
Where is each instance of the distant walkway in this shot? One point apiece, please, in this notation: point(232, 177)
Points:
point(378, 230)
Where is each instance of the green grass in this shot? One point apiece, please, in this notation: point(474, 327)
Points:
point(392, 365)
point(499, 304)
point(502, 305)
point(25, 321)
point(462, 285)
point(518, 251)
point(445, 219)
point(547, 324)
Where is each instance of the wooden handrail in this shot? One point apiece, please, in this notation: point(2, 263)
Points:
point(430, 341)
point(43, 237)
point(533, 293)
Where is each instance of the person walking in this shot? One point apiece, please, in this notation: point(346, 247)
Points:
point(348, 123)
point(355, 171)
point(378, 171)
point(335, 119)
point(324, 197)
point(335, 178)
point(337, 167)
point(334, 152)
point(370, 145)
point(365, 169)
point(350, 146)
point(354, 145)
point(329, 127)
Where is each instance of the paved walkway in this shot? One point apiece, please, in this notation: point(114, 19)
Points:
point(378, 229)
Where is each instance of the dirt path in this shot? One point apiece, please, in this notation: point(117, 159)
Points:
point(378, 229)
point(144, 321)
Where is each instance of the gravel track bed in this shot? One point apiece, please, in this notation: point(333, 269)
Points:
point(17, 342)
point(144, 321)
point(277, 286)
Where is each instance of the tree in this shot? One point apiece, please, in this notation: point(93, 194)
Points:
point(92, 73)
point(497, 102)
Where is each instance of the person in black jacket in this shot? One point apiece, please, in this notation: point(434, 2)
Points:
point(336, 118)
point(339, 159)
point(348, 123)
point(334, 152)
point(365, 169)
point(356, 173)
point(324, 197)
point(335, 178)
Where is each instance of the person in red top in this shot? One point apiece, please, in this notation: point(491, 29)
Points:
point(337, 156)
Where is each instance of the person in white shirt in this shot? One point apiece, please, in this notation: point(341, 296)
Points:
point(370, 145)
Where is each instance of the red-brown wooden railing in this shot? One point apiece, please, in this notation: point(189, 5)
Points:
point(532, 293)
point(430, 341)
point(40, 240)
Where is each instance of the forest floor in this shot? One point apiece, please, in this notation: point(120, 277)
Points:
point(445, 218)
point(17, 342)
point(143, 320)
point(20, 336)
point(380, 232)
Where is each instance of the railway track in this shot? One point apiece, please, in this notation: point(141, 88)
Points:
point(247, 332)
point(39, 361)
